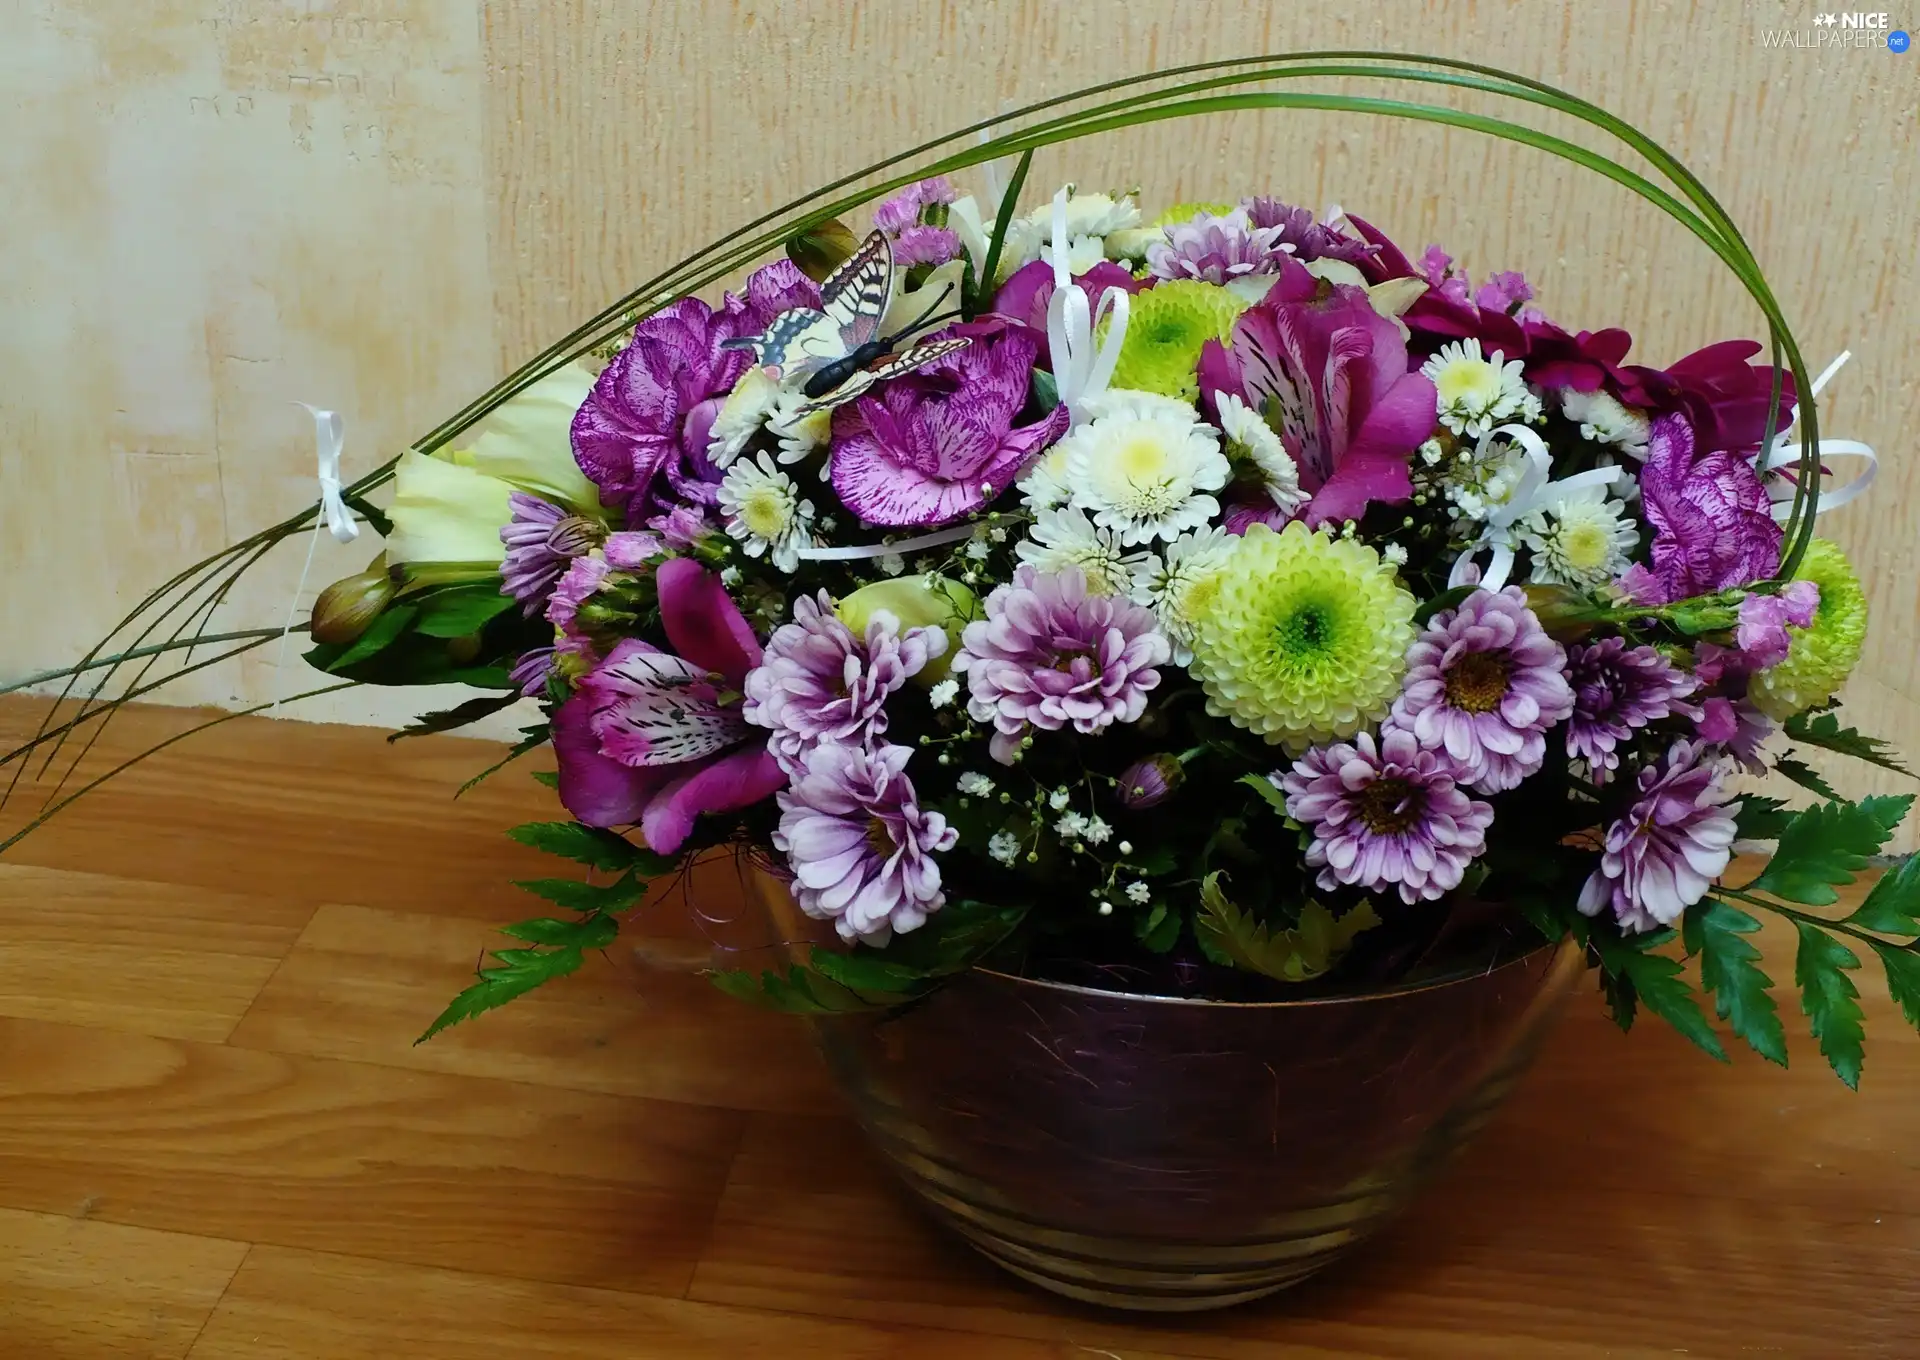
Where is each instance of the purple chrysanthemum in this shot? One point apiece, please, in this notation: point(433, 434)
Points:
point(530, 672)
point(1390, 815)
point(1617, 689)
point(1049, 654)
point(1311, 240)
point(575, 587)
point(1216, 249)
point(818, 682)
point(1665, 853)
point(1736, 727)
point(860, 846)
point(542, 539)
point(1484, 683)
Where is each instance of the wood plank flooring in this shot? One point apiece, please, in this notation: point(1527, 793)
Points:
point(219, 1142)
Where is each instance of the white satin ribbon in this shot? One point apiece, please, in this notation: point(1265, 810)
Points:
point(329, 441)
point(1082, 369)
point(860, 551)
point(1500, 535)
point(1786, 452)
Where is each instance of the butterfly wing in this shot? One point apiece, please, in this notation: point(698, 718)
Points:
point(890, 367)
point(796, 343)
point(855, 296)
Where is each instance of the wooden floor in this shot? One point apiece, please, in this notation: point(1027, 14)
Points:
point(217, 1140)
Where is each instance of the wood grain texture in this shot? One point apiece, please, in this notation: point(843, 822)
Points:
point(379, 205)
point(630, 1166)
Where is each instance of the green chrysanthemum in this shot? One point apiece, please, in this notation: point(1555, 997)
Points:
point(1306, 639)
point(1186, 212)
point(1823, 656)
point(1168, 326)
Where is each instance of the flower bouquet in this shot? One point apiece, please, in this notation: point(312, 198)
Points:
point(1212, 602)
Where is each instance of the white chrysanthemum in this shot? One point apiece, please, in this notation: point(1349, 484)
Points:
point(1606, 420)
point(1089, 215)
point(765, 513)
point(800, 435)
point(1251, 440)
point(1182, 585)
point(1144, 465)
point(1580, 538)
point(1064, 537)
point(1045, 483)
point(1477, 393)
point(753, 399)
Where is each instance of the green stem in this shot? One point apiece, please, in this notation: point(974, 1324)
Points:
point(177, 644)
point(1781, 909)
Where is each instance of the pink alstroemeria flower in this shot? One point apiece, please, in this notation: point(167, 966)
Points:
point(658, 738)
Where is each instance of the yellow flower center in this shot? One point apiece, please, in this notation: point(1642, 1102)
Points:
point(1585, 546)
point(1469, 384)
point(1390, 806)
point(764, 511)
point(1477, 682)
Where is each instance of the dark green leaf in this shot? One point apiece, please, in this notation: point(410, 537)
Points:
point(1159, 930)
point(531, 739)
point(1824, 730)
point(1903, 978)
point(954, 938)
point(472, 711)
point(1153, 861)
point(584, 897)
point(795, 991)
point(1828, 844)
point(865, 971)
point(1619, 993)
point(1446, 599)
point(591, 846)
point(1046, 391)
point(1892, 908)
point(592, 932)
point(461, 611)
point(551, 778)
point(1804, 775)
point(381, 634)
point(1306, 951)
point(1002, 220)
point(1657, 982)
point(375, 517)
point(1830, 1000)
point(1729, 969)
point(1761, 818)
point(1264, 786)
point(515, 973)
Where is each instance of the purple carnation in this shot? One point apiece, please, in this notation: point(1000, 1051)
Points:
point(1216, 249)
point(1049, 654)
point(929, 448)
point(1761, 633)
point(1736, 727)
point(925, 245)
point(1665, 853)
point(641, 435)
point(1505, 291)
point(542, 540)
point(575, 587)
point(1713, 524)
point(1616, 690)
point(1311, 240)
point(818, 682)
point(859, 844)
point(1436, 267)
point(1484, 683)
point(682, 526)
point(1386, 816)
point(630, 549)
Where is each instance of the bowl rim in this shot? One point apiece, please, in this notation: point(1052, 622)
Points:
point(1553, 949)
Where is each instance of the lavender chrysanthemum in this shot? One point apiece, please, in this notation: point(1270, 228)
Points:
point(1737, 727)
point(820, 682)
point(1383, 816)
point(530, 672)
point(1484, 683)
point(542, 539)
point(1665, 853)
point(1616, 690)
point(1049, 654)
point(925, 245)
point(1311, 240)
point(860, 846)
point(1216, 250)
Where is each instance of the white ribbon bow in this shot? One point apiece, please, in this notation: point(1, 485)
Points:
point(329, 440)
point(1785, 452)
point(1501, 532)
point(1081, 369)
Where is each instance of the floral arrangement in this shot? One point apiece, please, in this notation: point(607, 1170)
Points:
point(1218, 602)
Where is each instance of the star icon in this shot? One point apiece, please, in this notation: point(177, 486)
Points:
point(1825, 20)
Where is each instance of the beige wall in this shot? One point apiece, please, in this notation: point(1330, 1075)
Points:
point(217, 207)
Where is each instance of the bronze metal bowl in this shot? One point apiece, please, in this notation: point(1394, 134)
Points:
point(1167, 1154)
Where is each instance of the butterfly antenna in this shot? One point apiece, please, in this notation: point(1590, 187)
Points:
point(925, 318)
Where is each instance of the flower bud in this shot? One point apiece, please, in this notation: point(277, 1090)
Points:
point(348, 607)
point(1150, 782)
point(931, 601)
point(822, 248)
point(1565, 613)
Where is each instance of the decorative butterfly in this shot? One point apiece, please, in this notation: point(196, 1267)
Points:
point(836, 352)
